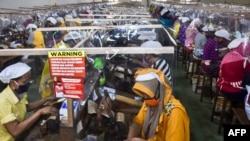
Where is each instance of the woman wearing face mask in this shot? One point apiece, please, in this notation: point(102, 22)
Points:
point(15, 80)
point(161, 117)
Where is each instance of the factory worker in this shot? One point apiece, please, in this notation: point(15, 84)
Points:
point(15, 81)
point(35, 37)
point(162, 117)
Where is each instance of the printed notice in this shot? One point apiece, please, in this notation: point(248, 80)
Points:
point(68, 70)
point(67, 63)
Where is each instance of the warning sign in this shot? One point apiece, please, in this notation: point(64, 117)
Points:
point(67, 63)
point(68, 70)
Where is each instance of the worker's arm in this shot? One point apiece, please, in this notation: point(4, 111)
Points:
point(36, 104)
point(139, 63)
point(15, 128)
point(134, 131)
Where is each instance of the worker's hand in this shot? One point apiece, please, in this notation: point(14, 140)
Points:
point(51, 98)
point(48, 110)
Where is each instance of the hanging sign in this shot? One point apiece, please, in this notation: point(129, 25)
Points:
point(67, 63)
point(68, 70)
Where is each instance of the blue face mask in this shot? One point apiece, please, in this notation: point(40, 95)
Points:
point(22, 88)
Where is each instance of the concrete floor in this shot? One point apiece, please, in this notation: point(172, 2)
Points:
point(199, 112)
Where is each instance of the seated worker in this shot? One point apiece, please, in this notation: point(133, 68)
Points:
point(205, 32)
point(161, 117)
point(199, 42)
point(35, 38)
point(176, 27)
point(166, 17)
point(191, 32)
point(234, 69)
point(61, 23)
point(52, 37)
point(182, 32)
point(154, 60)
point(15, 81)
point(69, 41)
point(70, 23)
point(211, 57)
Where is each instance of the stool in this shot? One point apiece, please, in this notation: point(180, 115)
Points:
point(192, 65)
point(239, 116)
point(179, 50)
point(186, 56)
point(206, 91)
point(222, 114)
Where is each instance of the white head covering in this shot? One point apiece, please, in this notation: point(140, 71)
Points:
point(60, 19)
point(207, 28)
point(30, 26)
point(13, 71)
point(223, 33)
point(235, 43)
point(195, 22)
point(52, 20)
point(164, 10)
point(184, 19)
point(152, 44)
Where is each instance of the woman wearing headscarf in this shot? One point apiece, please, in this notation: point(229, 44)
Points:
point(191, 32)
point(16, 79)
point(234, 80)
point(161, 117)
